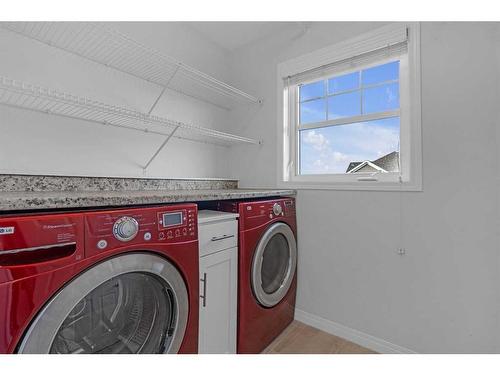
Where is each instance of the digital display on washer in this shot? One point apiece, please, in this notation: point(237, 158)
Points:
point(172, 219)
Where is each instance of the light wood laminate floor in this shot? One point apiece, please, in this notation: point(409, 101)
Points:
point(299, 338)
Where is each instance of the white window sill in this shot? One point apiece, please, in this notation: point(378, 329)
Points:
point(360, 186)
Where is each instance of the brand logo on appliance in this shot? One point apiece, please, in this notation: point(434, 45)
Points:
point(58, 226)
point(6, 230)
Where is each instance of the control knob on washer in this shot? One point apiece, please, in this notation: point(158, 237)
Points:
point(125, 228)
point(277, 209)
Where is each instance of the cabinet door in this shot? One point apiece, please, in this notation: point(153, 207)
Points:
point(218, 302)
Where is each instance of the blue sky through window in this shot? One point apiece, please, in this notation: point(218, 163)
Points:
point(344, 105)
point(381, 73)
point(313, 111)
point(369, 91)
point(381, 98)
point(312, 90)
point(331, 149)
point(343, 83)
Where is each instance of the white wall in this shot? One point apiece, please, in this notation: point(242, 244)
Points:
point(442, 296)
point(41, 144)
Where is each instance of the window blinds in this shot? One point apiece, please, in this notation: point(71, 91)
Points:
point(388, 43)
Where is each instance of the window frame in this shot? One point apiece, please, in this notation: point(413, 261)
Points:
point(410, 176)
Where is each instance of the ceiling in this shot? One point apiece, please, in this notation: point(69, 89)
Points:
point(234, 35)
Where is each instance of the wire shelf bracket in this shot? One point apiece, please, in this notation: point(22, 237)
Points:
point(99, 43)
point(164, 143)
point(159, 149)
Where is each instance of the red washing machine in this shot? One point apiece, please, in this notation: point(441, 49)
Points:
point(267, 281)
point(120, 281)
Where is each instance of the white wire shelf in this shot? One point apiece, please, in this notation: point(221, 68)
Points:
point(27, 96)
point(104, 45)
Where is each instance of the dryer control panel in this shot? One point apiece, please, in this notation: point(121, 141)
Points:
point(256, 213)
point(107, 230)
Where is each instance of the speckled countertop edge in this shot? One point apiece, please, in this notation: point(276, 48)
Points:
point(13, 201)
point(43, 183)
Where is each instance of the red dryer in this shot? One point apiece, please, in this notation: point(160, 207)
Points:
point(267, 280)
point(120, 281)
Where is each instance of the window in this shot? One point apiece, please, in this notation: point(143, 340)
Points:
point(348, 120)
point(351, 114)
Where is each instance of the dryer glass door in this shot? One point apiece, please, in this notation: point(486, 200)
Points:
point(134, 303)
point(274, 264)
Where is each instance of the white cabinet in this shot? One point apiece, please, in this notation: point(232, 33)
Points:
point(218, 302)
point(218, 237)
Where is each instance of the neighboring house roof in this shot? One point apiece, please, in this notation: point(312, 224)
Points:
point(386, 163)
point(352, 165)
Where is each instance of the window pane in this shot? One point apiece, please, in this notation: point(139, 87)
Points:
point(344, 105)
point(343, 83)
point(337, 149)
point(381, 98)
point(312, 90)
point(313, 111)
point(381, 73)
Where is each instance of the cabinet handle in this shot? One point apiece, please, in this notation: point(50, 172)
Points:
point(224, 237)
point(204, 296)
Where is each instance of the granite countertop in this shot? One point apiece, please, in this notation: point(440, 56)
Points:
point(68, 199)
point(32, 192)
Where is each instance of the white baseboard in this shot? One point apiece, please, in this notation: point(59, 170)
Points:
point(357, 337)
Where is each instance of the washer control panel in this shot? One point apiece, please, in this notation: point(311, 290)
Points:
point(106, 230)
point(177, 224)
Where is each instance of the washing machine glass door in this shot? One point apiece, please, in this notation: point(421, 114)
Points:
point(135, 303)
point(274, 264)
